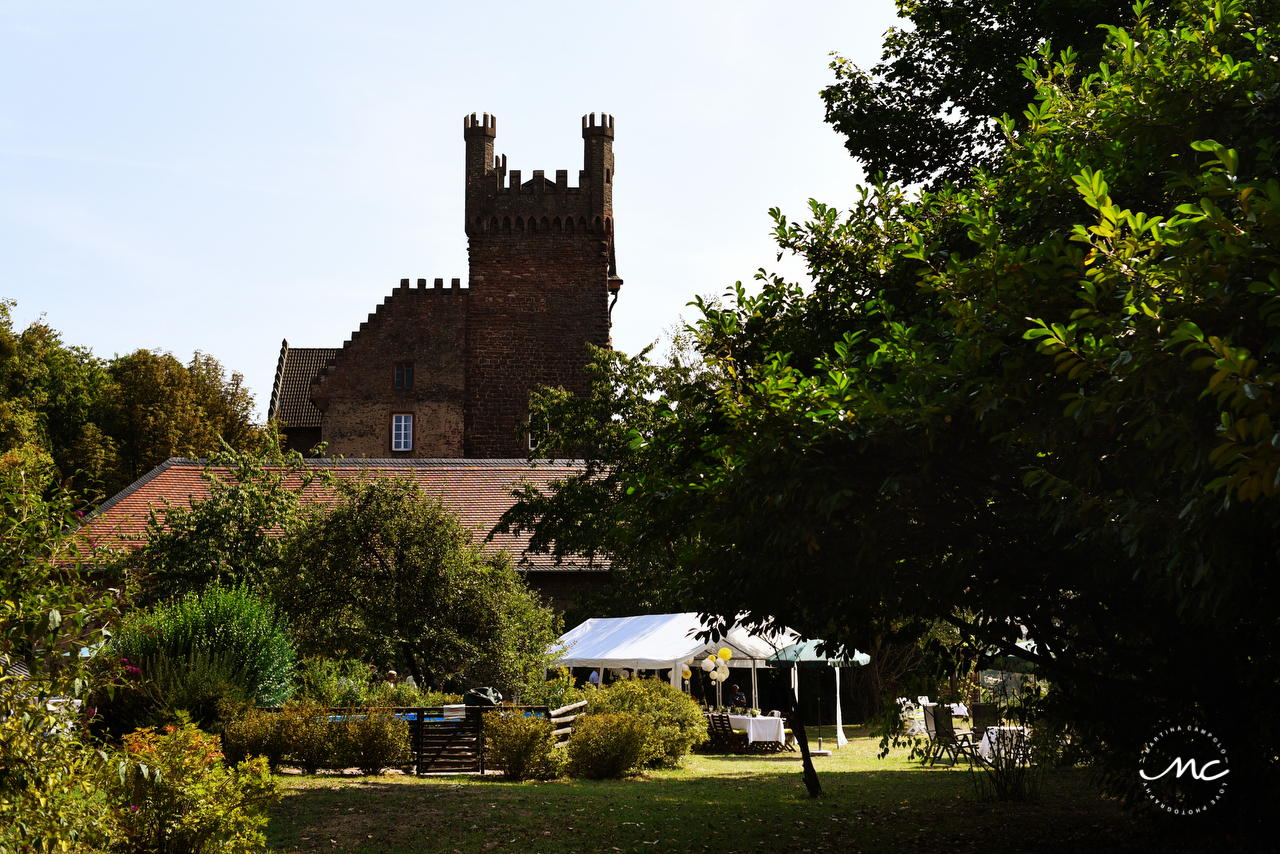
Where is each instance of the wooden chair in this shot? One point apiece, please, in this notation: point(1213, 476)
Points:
point(723, 738)
point(945, 739)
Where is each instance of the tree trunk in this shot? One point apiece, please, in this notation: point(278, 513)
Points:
point(797, 728)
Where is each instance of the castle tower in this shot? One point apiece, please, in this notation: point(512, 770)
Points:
point(542, 272)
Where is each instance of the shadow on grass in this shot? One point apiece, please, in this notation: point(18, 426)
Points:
point(719, 803)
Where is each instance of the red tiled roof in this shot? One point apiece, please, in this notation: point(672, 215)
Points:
point(479, 491)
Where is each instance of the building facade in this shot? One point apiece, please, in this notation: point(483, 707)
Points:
point(445, 372)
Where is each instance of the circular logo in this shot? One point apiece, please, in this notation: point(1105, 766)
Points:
point(1184, 770)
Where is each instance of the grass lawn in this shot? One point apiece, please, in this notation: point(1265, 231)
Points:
point(712, 803)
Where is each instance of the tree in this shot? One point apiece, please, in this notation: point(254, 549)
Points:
point(156, 408)
point(46, 392)
point(1045, 400)
point(582, 516)
point(105, 424)
point(929, 112)
point(50, 610)
point(234, 536)
point(384, 572)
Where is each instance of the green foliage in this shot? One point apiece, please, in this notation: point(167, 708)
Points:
point(256, 732)
point(50, 604)
point(675, 720)
point(221, 621)
point(609, 745)
point(154, 408)
point(305, 732)
point(201, 685)
point(104, 424)
point(559, 690)
point(523, 747)
point(384, 572)
point(1044, 400)
point(312, 737)
point(587, 515)
point(175, 795)
point(236, 534)
point(371, 740)
point(928, 111)
point(332, 682)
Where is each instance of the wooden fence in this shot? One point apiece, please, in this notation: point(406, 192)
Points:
point(562, 720)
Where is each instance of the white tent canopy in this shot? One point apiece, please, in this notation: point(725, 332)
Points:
point(662, 641)
point(658, 641)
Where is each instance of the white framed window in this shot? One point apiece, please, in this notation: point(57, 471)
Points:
point(402, 432)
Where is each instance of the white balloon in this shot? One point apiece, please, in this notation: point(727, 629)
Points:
point(723, 672)
point(707, 665)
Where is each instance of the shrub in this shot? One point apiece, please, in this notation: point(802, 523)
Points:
point(201, 683)
point(220, 621)
point(370, 741)
point(609, 745)
point(306, 735)
point(333, 682)
point(255, 733)
point(555, 692)
point(174, 793)
point(677, 722)
point(523, 747)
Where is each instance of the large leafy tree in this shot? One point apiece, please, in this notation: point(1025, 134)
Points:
point(104, 423)
point(1044, 400)
point(235, 535)
point(386, 573)
point(929, 111)
point(155, 408)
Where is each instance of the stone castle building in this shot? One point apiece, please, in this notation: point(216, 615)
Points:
point(445, 372)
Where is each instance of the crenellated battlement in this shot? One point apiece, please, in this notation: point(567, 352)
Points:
point(488, 126)
point(502, 202)
point(605, 128)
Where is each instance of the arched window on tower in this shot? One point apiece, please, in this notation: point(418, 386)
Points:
point(568, 225)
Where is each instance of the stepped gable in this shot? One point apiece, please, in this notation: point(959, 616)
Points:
point(478, 491)
point(422, 327)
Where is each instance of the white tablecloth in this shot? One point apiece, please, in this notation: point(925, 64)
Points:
point(959, 710)
point(760, 729)
point(998, 739)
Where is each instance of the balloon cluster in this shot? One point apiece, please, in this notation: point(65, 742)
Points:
point(716, 666)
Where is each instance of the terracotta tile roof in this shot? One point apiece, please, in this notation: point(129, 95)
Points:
point(291, 394)
point(479, 491)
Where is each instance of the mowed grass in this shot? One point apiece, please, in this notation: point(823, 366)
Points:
point(711, 803)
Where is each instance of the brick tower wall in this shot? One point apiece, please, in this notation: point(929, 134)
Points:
point(540, 259)
point(423, 326)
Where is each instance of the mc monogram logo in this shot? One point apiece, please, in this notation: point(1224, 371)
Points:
point(1183, 770)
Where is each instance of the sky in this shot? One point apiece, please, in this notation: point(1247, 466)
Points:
point(221, 176)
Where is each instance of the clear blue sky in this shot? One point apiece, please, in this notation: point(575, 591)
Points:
point(219, 176)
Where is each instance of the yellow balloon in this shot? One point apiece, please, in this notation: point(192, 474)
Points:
point(726, 653)
point(687, 673)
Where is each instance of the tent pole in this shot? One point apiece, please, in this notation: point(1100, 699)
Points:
point(819, 709)
point(755, 687)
